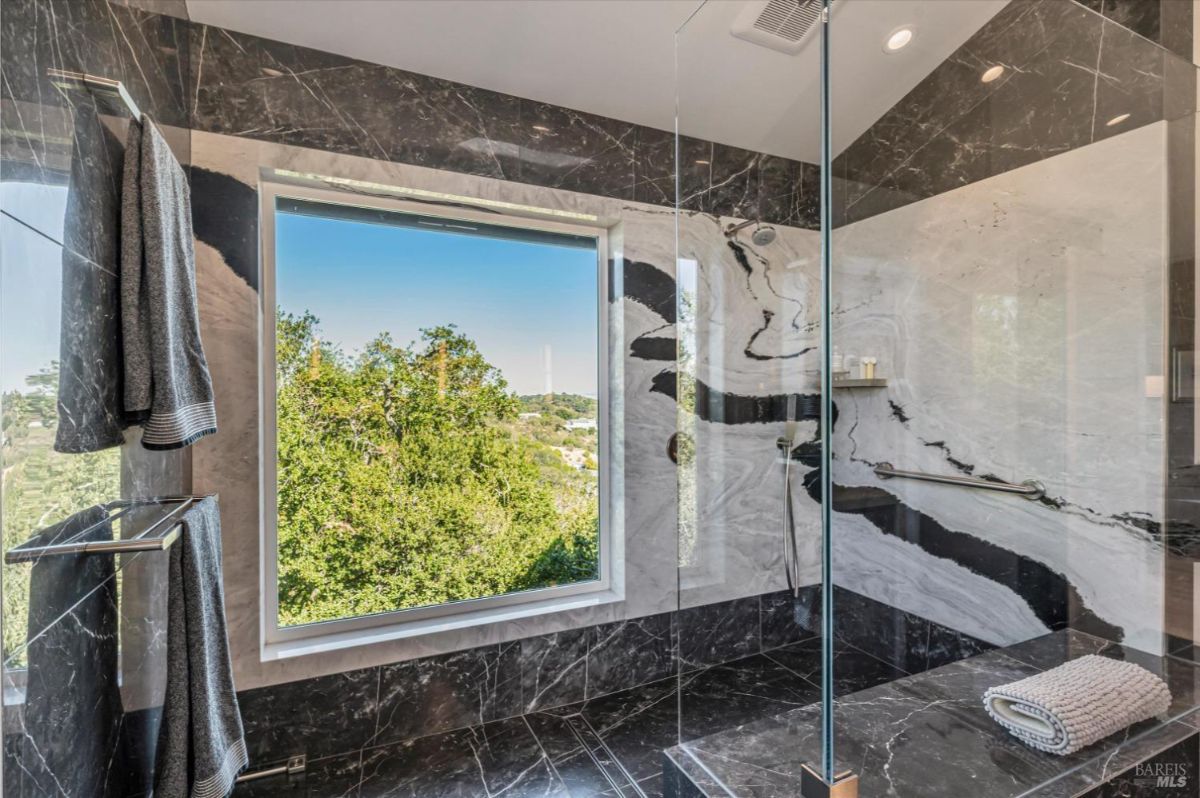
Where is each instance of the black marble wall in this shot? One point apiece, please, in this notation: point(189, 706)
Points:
point(1068, 71)
point(332, 716)
point(84, 665)
point(263, 89)
point(1165, 22)
point(335, 714)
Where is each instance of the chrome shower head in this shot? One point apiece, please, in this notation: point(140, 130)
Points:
point(762, 235)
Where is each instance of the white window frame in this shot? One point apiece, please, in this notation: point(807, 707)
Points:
point(279, 642)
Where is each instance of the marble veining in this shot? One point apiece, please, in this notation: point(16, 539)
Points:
point(1067, 72)
point(973, 299)
point(608, 745)
point(1163, 21)
point(258, 88)
point(755, 345)
point(322, 716)
point(725, 674)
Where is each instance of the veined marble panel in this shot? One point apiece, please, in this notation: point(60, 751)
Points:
point(754, 310)
point(748, 341)
point(1019, 321)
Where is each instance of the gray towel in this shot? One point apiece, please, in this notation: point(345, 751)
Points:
point(1079, 702)
point(72, 698)
point(200, 746)
point(167, 385)
point(89, 364)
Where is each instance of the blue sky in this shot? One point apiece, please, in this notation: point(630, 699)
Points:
point(30, 281)
point(512, 298)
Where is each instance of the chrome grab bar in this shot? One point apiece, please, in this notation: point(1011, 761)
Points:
point(295, 766)
point(1030, 489)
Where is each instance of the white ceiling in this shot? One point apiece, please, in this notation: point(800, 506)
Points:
point(616, 58)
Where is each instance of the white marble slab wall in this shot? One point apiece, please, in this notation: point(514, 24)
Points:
point(1019, 321)
point(749, 333)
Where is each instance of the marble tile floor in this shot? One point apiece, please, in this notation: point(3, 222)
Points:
point(929, 736)
point(608, 747)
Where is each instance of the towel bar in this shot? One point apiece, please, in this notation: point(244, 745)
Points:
point(158, 536)
point(106, 87)
point(1030, 489)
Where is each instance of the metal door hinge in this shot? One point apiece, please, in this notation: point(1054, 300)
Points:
point(844, 785)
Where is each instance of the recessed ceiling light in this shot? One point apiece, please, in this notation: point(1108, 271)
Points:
point(1116, 120)
point(898, 39)
point(992, 73)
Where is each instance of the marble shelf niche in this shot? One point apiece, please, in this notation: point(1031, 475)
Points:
point(855, 382)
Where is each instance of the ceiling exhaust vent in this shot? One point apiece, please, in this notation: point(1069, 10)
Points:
point(781, 25)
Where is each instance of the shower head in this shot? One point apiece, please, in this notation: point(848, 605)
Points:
point(763, 233)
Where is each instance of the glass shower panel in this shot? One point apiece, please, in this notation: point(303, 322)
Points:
point(748, 147)
point(972, 344)
point(1012, 193)
point(1011, 304)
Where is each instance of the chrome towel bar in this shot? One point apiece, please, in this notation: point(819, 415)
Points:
point(1030, 489)
point(105, 87)
point(159, 536)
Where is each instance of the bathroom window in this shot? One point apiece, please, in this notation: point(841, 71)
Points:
point(436, 411)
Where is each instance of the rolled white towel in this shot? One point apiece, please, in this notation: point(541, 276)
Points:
point(1079, 702)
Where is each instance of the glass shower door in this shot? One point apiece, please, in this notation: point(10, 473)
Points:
point(989, 297)
point(1011, 255)
point(748, 279)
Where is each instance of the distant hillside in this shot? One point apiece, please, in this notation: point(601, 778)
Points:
point(563, 405)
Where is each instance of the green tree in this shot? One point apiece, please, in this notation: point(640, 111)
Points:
point(405, 479)
point(41, 486)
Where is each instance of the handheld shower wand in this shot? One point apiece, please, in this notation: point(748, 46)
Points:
point(791, 554)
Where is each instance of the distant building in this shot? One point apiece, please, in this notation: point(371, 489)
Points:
point(526, 416)
point(581, 423)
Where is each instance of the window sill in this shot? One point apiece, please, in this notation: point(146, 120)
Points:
point(338, 641)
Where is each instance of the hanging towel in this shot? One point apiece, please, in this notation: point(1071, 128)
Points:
point(1079, 702)
point(167, 386)
point(89, 367)
point(200, 746)
point(72, 715)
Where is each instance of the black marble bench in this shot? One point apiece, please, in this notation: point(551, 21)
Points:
point(928, 736)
